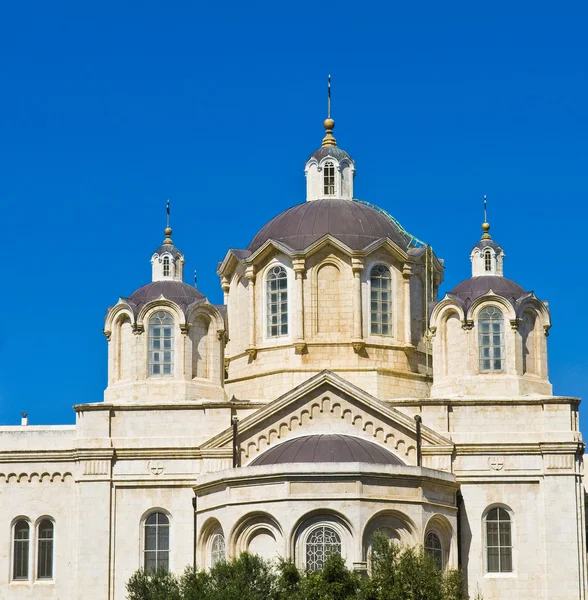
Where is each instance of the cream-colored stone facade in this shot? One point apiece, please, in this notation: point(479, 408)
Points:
point(331, 328)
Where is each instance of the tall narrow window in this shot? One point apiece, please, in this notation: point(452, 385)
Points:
point(498, 541)
point(277, 302)
point(488, 261)
point(381, 300)
point(20, 557)
point(433, 548)
point(321, 543)
point(156, 542)
point(45, 549)
point(217, 549)
point(491, 339)
point(166, 269)
point(161, 345)
point(329, 175)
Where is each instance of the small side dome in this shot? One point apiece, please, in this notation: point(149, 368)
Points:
point(474, 287)
point(176, 291)
point(329, 448)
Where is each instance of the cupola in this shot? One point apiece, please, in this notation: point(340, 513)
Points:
point(329, 170)
point(167, 262)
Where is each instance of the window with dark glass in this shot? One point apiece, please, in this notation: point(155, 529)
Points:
point(433, 548)
point(45, 532)
point(381, 301)
point(488, 260)
point(166, 268)
point(156, 552)
point(329, 179)
point(20, 550)
point(491, 339)
point(498, 541)
point(277, 302)
point(161, 345)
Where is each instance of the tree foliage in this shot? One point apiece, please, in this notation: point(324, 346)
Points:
point(395, 574)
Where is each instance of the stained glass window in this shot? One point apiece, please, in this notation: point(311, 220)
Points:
point(433, 548)
point(217, 549)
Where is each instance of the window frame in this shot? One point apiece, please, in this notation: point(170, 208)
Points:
point(217, 534)
point(266, 303)
point(329, 169)
point(151, 362)
point(480, 319)
point(311, 531)
point(392, 310)
point(433, 551)
point(166, 266)
point(512, 546)
point(13, 561)
point(38, 541)
point(487, 260)
point(152, 512)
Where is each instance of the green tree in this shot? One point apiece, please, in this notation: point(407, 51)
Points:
point(333, 582)
point(153, 585)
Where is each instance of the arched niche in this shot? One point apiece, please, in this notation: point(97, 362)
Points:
point(202, 346)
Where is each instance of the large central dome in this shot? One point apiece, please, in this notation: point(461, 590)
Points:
point(352, 223)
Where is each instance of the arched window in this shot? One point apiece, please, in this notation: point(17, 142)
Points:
point(329, 178)
point(277, 302)
point(320, 544)
point(156, 554)
point(161, 345)
point(488, 260)
point(45, 531)
point(217, 549)
point(381, 300)
point(433, 548)
point(498, 541)
point(491, 339)
point(166, 269)
point(20, 550)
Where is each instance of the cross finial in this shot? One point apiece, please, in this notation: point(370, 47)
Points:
point(485, 224)
point(329, 124)
point(167, 231)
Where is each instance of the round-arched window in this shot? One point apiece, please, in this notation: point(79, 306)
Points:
point(329, 179)
point(277, 302)
point(491, 339)
point(156, 543)
point(217, 549)
point(161, 345)
point(320, 544)
point(433, 548)
point(166, 266)
point(381, 301)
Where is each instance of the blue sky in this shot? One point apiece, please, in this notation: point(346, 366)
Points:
point(110, 109)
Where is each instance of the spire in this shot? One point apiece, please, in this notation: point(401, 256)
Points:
point(485, 224)
point(329, 123)
point(167, 231)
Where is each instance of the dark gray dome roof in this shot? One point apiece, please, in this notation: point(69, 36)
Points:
point(488, 244)
point(169, 248)
point(333, 151)
point(353, 223)
point(177, 291)
point(329, 448)
point(474, 287)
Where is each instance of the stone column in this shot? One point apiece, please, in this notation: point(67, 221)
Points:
point(358, 341)
point(299, 266)
point(406, 275)
point(250, 274)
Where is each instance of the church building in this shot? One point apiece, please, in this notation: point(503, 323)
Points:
point(333, 394)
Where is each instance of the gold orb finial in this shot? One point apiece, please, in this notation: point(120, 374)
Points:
point(486, 229)
point(167, 231)
point(329, 139)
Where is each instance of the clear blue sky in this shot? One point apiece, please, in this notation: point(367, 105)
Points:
point(108, 109)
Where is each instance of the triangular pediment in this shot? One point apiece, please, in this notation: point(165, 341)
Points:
point(327, 403)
